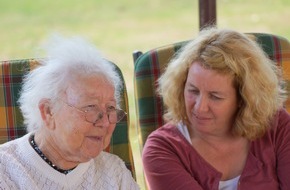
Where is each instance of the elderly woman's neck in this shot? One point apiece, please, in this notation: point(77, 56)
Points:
point(49, 148)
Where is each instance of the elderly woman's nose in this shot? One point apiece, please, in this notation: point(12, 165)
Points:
point(103, 120)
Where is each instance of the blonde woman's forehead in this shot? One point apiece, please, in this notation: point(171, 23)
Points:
point(209, 78)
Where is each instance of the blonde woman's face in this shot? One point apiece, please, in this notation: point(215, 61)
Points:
point(211, 101)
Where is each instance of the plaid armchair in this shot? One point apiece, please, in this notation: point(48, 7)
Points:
point(149, 66)
point(11, 120)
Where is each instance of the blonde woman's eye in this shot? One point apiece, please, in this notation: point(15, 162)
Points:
point(216, 97)
point(193, 91)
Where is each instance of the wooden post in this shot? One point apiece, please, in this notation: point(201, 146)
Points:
point(207, 13)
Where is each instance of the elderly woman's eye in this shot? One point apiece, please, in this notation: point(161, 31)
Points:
point(111, 108)
point(90, 108)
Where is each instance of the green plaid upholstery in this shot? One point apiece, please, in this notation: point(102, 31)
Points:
point(149, 66)
point(11, 120)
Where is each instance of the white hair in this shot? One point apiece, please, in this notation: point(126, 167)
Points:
point(66, 58)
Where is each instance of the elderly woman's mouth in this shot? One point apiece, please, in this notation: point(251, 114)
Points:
point(95, 138)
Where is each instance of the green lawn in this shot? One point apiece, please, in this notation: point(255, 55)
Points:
point(118, 27)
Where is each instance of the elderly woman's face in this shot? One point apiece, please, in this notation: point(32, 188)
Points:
point(211, 101)
point(79, 139)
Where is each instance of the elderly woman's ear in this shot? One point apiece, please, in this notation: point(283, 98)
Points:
point(45, 108)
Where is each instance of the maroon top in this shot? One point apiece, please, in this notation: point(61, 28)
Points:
point(170, 161)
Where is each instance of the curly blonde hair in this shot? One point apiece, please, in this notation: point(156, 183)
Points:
point(257, 79)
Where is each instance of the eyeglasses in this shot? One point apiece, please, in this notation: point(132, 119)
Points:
point(93, 113)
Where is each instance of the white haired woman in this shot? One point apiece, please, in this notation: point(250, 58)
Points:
point(70, 107)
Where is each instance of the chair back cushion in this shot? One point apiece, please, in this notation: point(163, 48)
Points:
point(11, 120)
point(149, 66)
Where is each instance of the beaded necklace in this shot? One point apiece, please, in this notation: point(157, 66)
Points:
point(35, 147)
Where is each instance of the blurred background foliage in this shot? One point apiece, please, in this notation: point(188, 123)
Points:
point(118, 27)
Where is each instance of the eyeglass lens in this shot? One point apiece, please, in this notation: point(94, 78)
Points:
point(114, 116)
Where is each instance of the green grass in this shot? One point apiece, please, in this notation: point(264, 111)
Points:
point(118, 27)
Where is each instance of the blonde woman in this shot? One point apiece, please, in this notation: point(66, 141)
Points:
point(226, 128)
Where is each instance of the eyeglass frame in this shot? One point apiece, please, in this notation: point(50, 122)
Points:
point(99, 118)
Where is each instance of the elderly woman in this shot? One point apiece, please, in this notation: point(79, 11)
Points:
point(70, 108)
point(226, 128)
